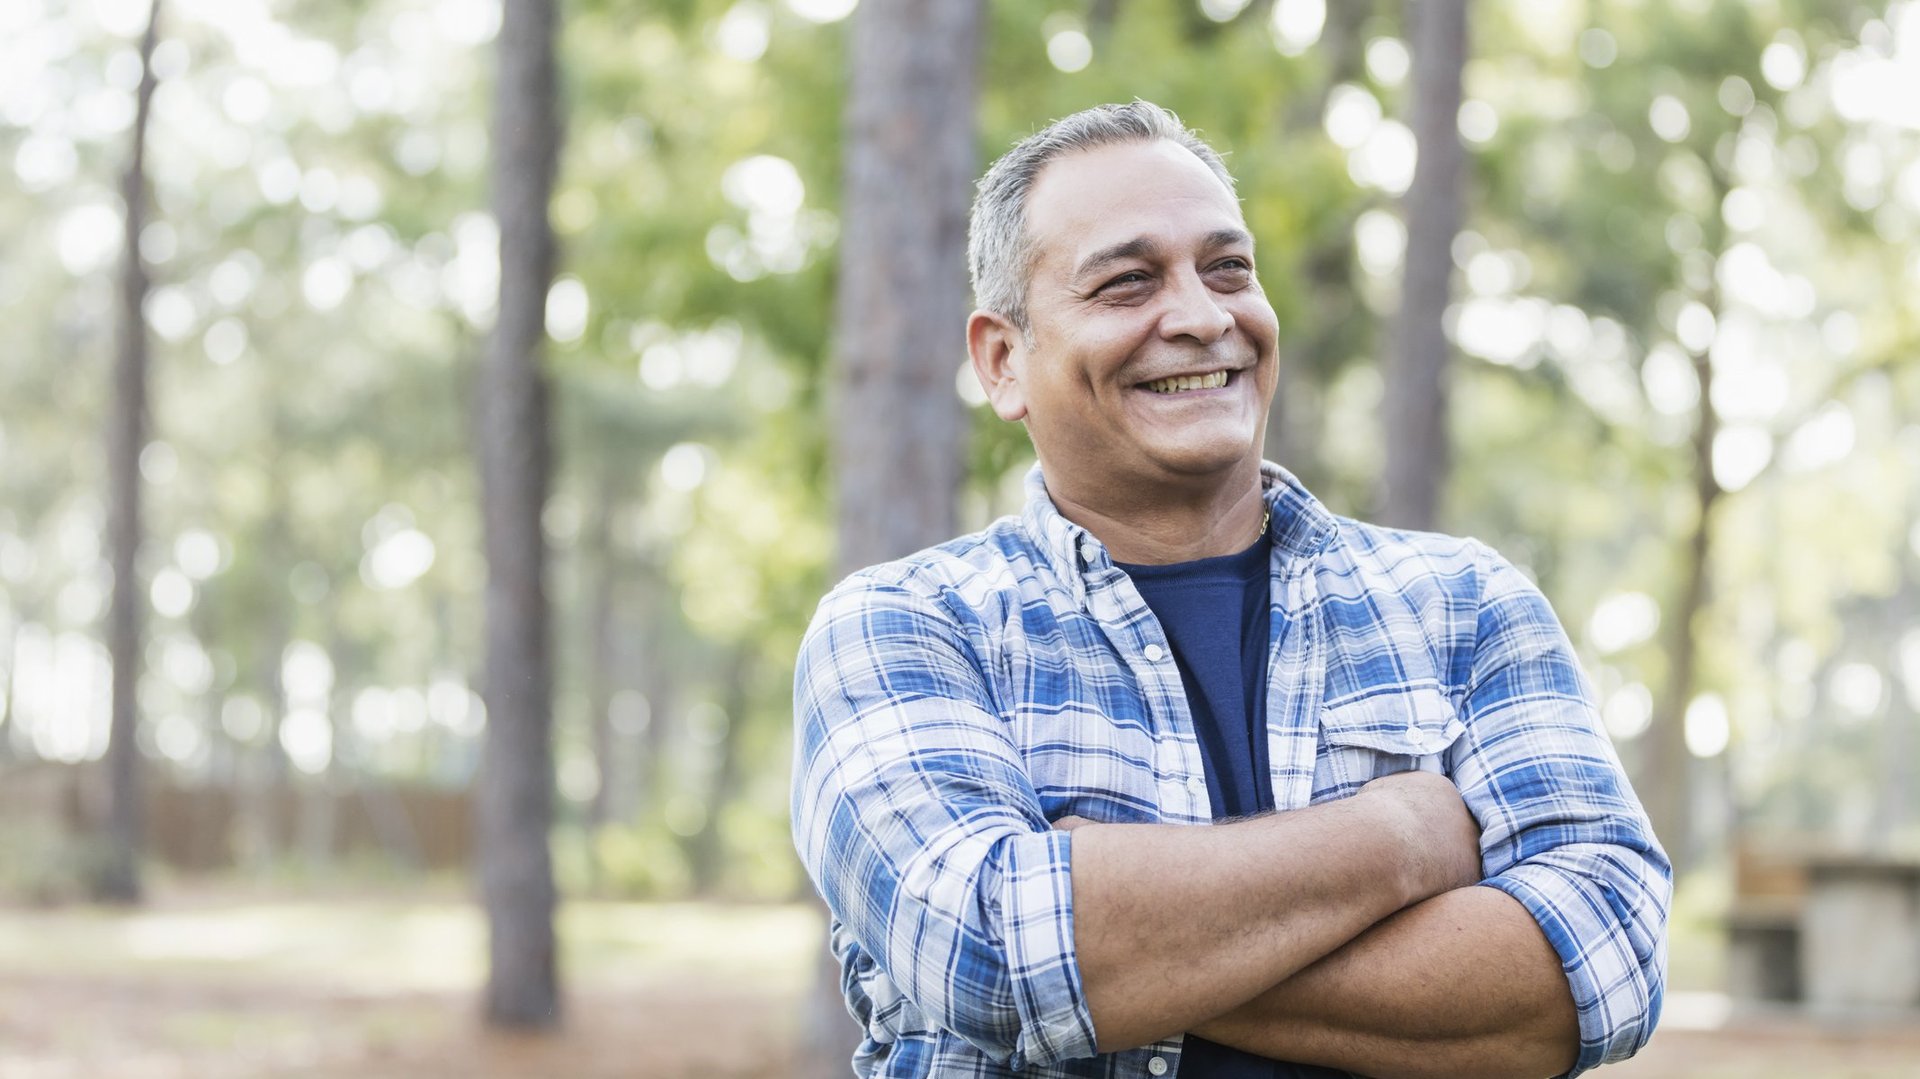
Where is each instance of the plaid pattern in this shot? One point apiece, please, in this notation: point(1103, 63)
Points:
point(950, 704)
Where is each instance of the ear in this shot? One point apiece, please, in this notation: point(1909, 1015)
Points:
point(998, 350)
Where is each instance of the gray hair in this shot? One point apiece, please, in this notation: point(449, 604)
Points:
point(999, 253)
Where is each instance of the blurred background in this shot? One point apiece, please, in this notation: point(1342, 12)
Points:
point(1628, 289)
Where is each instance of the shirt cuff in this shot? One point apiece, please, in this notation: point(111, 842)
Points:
point(1037, 923)
point(1616, 990)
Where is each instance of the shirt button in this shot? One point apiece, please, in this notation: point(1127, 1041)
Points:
point(1090, 552)
point(1196, 785)
point(1153, 652)
point(1157, 1065)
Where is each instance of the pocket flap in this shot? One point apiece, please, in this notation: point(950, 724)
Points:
point(1413, 721)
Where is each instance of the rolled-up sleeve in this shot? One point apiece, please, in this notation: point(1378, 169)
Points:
point(917, 822)
point(1561, 829)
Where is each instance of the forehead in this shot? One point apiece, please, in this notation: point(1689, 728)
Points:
point(1156, 190)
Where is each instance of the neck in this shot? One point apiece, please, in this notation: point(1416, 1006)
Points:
point(1156, 527)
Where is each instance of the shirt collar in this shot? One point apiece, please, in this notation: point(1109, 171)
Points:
point(1301, 525)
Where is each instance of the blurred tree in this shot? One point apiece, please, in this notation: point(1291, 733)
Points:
point(1331, 331)
point(1416, 398)
point(1668, 770)
point(126, 438)
point(322, 268)
point(909, 167)
point(515, 789)
point(1659, 293)
point(903, 288)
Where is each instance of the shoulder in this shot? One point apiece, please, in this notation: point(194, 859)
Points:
point(1370, 561)
point(968, 580)
point(1406, 606)
point(928, 625)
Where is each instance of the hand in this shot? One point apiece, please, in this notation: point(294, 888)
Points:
point(1443, 841)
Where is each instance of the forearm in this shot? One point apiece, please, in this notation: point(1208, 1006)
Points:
point(1463, 984)
point(1175, 925)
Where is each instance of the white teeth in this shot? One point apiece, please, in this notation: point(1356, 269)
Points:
point(1189, 382)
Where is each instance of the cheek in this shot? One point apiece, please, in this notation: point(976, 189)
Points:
point(1101, 353)
point(1257, 319)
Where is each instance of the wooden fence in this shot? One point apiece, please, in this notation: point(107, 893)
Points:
point(210, 827)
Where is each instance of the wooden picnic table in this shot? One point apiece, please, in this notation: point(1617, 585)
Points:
point(1860, 932)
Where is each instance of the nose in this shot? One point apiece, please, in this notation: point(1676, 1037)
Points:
point(1194, 311)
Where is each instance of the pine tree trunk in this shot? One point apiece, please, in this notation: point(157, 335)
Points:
point(1668, 769)
point(266, 772)
point(1415, 406)
point(119, 879)
point(515, 788)
point(903, 287)
point(707, 848)
point(903, 302)
point(663, 704)
point(658, 673)
point(598, 574)
point(9, 699)
point(1897, 755)
point(1308, 357)
point(320, 802)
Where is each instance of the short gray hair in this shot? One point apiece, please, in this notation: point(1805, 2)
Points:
point(999, 254)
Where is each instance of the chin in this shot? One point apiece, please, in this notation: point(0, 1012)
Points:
point(1208, 460)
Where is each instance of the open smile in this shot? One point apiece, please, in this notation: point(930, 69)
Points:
point(1212, 380)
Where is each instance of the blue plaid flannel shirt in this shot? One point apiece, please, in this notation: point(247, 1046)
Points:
point(950, 704)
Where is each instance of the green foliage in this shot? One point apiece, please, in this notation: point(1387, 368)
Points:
point(42, 865)
point(622, 862)
point(321, 261)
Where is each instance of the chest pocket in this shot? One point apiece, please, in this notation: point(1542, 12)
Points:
point(1399, 731)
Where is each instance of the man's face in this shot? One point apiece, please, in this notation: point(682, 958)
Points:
point(1143, 273)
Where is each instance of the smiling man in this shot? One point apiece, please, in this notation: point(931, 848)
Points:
point(1177, 772)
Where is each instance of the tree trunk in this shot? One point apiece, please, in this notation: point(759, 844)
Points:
point(598, 580)
point(899, 458)
point(663, 704)
point(1897, 755)
point(1415, 405)
point(656, 677)
point(1311, 355)
point(321, 799)
point(206, 632)
point(119, 879)
point(903, 289)
point(515, 789)
point(266, 776)
point(1668, 766)
point(1100, 17)
point(707, 848)
point(9, 699)
point(1668, 793)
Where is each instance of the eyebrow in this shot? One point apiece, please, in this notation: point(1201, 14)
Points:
point(1142, 247)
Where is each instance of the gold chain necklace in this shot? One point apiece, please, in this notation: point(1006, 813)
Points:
point(1265, 523)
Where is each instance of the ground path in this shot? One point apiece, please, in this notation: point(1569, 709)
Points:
point(212, 987)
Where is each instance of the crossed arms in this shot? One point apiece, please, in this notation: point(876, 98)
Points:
point(1347, 933)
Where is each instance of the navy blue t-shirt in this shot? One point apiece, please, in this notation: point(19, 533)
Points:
point(1217, 617)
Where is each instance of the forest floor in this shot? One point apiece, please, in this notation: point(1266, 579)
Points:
point(224, 985)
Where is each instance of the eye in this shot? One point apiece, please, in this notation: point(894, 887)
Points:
point(1233, 271)
point(1131, 277)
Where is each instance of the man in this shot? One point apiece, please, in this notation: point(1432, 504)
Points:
point(1178, 773)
